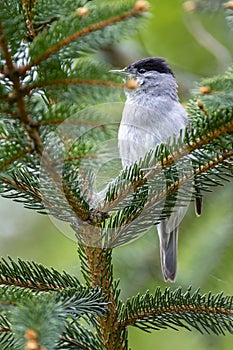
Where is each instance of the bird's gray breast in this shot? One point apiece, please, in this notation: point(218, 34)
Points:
point(144, 125)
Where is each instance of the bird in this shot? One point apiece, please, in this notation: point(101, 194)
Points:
point(152, 113)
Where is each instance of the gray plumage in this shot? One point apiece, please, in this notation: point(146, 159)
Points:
point(151, 114)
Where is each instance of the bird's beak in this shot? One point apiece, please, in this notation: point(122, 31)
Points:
point(119, 71)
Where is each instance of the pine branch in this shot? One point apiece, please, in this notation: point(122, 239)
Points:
point(3, 44)
point(17, 74)
point(12, 72)
point(10, 296)
point(206, 313)
point(4, 325)
point(14, 146)
point(27, 9)
point(79, 338)
point(11, 160)
point(170, 154)
point(97, 271)
point(79, 302)
point(211, 154)
point(40, 82)
point(72, 81)
point(34, 276)
point(47, 314)
point(7, 340)
point(60, 312)
point(23, 190)
point(144, 185)
point(136, 11)
point(84, 72)
point(12, 17)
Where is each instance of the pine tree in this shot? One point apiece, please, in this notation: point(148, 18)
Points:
point(53, 121)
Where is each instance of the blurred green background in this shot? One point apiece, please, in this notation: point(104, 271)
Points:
point(196, 45)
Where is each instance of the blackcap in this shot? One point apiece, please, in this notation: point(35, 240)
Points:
point(151, 114)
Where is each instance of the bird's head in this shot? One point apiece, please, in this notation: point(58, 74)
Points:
point(148, 72)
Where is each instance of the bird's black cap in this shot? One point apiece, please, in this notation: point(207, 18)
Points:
point(152, 64)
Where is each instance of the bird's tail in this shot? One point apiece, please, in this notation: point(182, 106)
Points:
point(168, 250)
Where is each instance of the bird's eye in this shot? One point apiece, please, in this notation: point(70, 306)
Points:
point(141, 70)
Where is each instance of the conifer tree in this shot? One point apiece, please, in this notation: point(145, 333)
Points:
point(52, 123)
